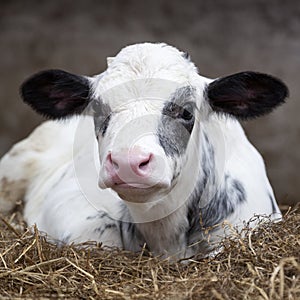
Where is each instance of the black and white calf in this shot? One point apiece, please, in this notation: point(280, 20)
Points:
point(148, 152)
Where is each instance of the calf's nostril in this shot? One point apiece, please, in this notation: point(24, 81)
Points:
point(144, 164)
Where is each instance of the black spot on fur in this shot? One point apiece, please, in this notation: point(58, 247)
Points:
point(176, 172)
point(56, 94)
point(218, 209)
point(246, 95)
point(224, 203)
point(177, 122)
point(99, 215)
point(131, 237)
point(102, 115)
point(104, 227)
point(205, 213)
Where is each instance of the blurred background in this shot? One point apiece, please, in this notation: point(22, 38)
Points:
point(222, 37)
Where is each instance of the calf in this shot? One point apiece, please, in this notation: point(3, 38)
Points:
point(147, 152)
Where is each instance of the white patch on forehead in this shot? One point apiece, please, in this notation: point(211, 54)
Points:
point(145, 61)
point(148, 93)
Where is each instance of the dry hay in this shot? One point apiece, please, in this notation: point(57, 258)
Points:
point(262, 265)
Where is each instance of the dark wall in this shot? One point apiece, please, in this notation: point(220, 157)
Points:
point(222, 37)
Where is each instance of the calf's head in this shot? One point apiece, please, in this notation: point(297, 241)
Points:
point(147, 108)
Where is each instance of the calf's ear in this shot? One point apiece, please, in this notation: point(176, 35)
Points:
point(56, 94)
point(246, 95)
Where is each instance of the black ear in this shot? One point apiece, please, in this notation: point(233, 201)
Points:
point(56, 94)
point(246, 95)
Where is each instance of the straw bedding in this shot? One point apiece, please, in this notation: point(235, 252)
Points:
point(264, 263)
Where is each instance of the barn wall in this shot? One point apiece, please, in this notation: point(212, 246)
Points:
point(222, 37)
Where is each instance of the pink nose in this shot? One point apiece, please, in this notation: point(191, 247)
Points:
point(129, 164)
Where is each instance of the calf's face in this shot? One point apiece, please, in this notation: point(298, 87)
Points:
point(143, 138)
point(148, 128)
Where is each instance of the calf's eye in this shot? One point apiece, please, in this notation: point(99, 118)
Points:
point(187, 112)
point(186, 115)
